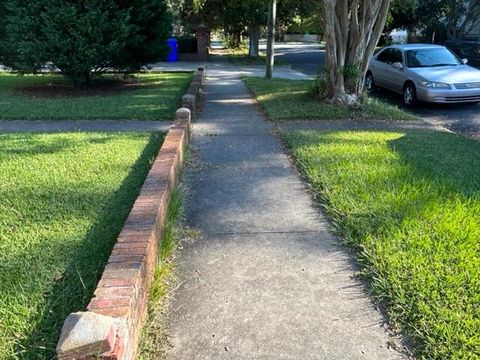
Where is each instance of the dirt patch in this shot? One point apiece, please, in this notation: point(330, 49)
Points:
point(103, 87)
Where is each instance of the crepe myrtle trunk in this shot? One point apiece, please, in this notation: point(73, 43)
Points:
point(352, 31)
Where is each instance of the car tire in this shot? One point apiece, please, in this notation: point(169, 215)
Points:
point(409, 94)
point(369, 82)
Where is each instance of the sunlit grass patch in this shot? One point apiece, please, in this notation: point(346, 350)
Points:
point(409, 203)
point(291, 100)
point(150, 96)
point(63, 201)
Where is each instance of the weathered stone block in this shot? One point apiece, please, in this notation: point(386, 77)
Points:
point(188, 101)
point(86, 334)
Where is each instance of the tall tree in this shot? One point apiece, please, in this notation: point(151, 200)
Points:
point(353, 29)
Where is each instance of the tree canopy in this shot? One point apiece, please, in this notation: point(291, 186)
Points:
point(455, 18)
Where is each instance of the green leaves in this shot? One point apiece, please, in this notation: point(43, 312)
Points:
point(84, 38)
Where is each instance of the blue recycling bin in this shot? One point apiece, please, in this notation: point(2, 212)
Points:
point(173, 52)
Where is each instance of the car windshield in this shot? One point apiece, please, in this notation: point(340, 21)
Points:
point(431, 58)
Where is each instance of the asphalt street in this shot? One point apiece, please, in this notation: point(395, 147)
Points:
point(464, 118)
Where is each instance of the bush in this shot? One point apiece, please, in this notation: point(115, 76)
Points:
point(84, 38)
point(320, 88)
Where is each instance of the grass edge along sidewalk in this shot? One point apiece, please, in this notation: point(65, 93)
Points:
point(409, 204)
point(58, 226)
point(154, 96)
point(291, 100)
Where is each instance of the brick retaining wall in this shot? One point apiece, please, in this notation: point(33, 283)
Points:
point(111, 326)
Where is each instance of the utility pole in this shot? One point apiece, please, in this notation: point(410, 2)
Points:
point(272, 15)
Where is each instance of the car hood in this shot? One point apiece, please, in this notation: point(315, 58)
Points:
point(449, 74)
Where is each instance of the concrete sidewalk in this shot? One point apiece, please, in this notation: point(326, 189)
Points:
point(266, 280)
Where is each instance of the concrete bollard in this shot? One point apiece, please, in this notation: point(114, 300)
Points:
point(188, 101)
point(88, 335)
point(201, 74)
point(183, 118)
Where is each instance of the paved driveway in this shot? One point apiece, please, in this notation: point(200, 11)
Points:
point(464, 118)
point(461, 118)
point(305, 57)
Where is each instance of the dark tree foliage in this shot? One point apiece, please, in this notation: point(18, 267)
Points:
point(453, 18)
point(84, 38)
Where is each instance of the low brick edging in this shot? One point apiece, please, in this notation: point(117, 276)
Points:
point(110, 327)
point(190, 99)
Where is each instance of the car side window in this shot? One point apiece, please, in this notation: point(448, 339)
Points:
point(384, 56)
point(396, 56)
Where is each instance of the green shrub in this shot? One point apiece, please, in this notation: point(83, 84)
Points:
point(84, 38)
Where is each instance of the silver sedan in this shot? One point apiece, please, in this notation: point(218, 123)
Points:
point(423, 72)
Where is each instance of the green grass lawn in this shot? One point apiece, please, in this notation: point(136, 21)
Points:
point(156, 97)
point(291, 100)
point(409, 203)
point(63, 201)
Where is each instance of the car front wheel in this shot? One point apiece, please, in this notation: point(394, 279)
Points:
point(409, 94)
point(369, 82)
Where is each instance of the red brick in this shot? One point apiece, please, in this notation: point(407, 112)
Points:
point(121, 266)
point(117, 292)
point(134, 238)
point(127, 251)
point(116, 312)
point(125, 258)
point(98, 303)
point(104, 282)
point(121, 274)
point(133, 245)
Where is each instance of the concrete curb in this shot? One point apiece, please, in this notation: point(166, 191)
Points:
point(110, 328)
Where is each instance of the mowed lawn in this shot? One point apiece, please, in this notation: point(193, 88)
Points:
point(292, 100)
point(63, 201)
point(409, 203)
point(155, 96)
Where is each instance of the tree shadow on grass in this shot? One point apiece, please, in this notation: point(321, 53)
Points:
point(74, 289)
point(447, 159)
point(24, 144)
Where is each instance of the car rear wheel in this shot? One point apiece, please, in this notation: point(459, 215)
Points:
point(409, 94)
point(369, 82)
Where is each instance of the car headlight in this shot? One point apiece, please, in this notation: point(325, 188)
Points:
point(435, 85)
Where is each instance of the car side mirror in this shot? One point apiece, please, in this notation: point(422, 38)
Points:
point(464, 61)
point(397, 65)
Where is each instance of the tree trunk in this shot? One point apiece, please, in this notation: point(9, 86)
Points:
point(254, 32)
point(352, 31)
point(236, 39)
point(272, 14)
